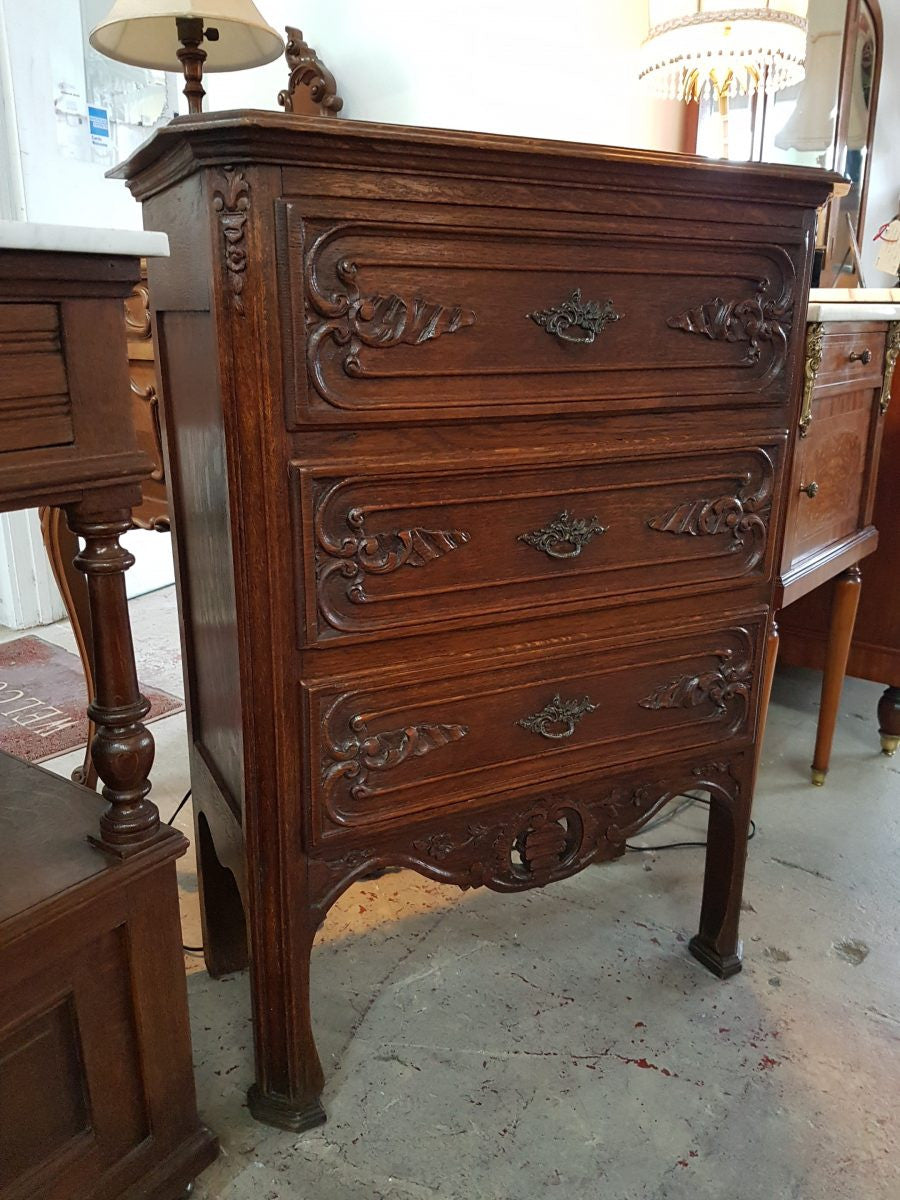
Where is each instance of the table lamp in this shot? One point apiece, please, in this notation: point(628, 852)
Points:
point(697, 47)
point(169, 35)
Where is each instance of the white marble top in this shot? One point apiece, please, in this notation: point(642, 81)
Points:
point(80, 239)
point(854, 304)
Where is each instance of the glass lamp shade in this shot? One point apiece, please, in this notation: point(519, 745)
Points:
point(696, 46)
point(143, 33)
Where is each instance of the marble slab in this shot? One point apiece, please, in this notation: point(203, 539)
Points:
point(78, 239)
point(854, 304)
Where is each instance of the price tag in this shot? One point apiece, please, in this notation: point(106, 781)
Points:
point(888, 257)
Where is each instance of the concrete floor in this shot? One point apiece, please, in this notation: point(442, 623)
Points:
point(562, 1044)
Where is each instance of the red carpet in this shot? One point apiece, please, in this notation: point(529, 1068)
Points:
point(43, 698)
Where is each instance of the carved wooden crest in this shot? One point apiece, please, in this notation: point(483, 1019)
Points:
point(754, 319)
point(311, 89)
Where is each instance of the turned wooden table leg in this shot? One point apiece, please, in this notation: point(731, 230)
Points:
point(889, 720)
point(61, 545)
point(122, 748)
point(765, 688)
point(840, 633)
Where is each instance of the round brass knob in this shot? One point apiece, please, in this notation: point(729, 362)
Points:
point(864, 356)
point(811, 490)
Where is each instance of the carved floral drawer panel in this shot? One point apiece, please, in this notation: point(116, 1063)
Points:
point(381, 752)
point(397, 320)
point(409, 551)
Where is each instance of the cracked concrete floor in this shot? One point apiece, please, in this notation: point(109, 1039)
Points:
point(561, 1043)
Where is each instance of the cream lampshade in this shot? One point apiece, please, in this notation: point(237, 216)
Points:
point(167, 35)
point(698, 47)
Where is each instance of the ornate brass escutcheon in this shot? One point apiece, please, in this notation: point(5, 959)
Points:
point(576, 320)
point(559, 712)
point(815, 334)
point(891, 353)
point(565, 536)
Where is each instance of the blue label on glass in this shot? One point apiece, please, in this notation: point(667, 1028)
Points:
point(98, 119)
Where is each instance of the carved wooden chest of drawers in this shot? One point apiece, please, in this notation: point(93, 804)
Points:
point(476, 448)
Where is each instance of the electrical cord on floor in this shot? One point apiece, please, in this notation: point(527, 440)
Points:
point(181, 804)
point(687, 802)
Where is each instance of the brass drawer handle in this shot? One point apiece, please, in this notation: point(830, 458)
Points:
point(576, 320)
point(565, 536)
point(566, 713)
point(864, 356)
point(811, 490)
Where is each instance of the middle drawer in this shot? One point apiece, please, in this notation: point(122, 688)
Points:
point(414, 550)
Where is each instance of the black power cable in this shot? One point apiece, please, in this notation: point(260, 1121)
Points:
point(688, 801)
point(181, 804)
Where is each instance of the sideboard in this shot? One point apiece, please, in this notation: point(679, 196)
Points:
point(476, 448)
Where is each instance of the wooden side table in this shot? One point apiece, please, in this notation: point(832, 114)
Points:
point(90, 950)
point(850, 350)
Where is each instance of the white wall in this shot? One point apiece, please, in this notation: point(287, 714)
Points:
point(527, 67)
point(883, 199)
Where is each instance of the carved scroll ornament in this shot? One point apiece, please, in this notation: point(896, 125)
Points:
point(755, 319)
point(364, 554)
point(361, 753)
point(352, 320)
point(743, 515)
point(731, 679)
point(231, 200)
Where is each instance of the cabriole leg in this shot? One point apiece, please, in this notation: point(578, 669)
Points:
point(840, 633)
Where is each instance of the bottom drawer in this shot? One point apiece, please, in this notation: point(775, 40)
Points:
point(381, 752)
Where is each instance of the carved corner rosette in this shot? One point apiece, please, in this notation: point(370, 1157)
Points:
point(763, 317)
point(565, 536)
point(353, 321)
point(231, 200)
point(358, 754)
point(891, 354)
point(731, 680)
point(364, 554)
point(743, 514)
point(308, 72)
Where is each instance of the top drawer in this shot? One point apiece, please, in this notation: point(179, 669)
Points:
point(852, 355)
point(393, 320)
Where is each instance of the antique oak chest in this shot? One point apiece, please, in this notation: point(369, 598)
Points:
point(476, 448)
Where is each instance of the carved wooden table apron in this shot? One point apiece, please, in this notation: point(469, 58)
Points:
point(478, 485)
